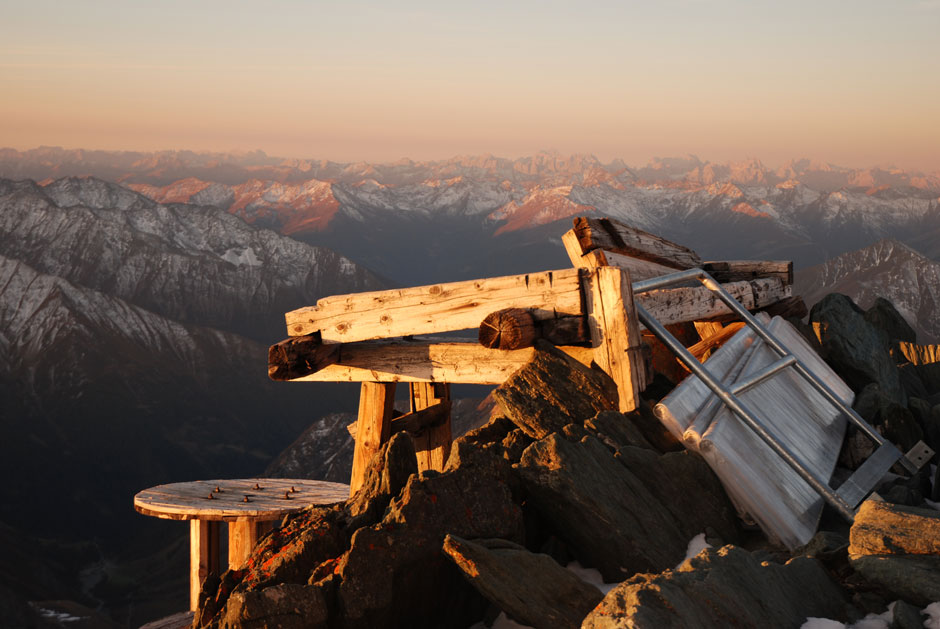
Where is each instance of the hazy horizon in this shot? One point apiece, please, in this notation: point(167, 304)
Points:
point(847, 84)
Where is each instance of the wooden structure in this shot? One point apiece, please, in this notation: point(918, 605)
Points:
point(380, 338)
point(249, 506)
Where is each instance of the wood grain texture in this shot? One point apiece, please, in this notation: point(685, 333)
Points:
point(407, 361)
point(510, 328)
point(740, 270)
point(203, 556)
point(678, 305)
point(615, 333)
point(416, 422)
point(190, 500)
point(298, 356)
point(701, 349)
point(436, 308)
point(242, 537)
point(639, 269)
point(376, 402)
point(612, 235)
point(432, 446)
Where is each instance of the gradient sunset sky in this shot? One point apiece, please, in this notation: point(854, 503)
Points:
point(856, 83)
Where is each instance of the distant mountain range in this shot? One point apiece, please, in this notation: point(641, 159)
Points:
point(431, 221)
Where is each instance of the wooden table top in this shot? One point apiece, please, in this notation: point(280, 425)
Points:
point(267, 498)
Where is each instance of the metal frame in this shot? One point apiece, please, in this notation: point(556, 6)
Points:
point(853, 490)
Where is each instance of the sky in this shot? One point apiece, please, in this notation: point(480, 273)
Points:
point(856, 83)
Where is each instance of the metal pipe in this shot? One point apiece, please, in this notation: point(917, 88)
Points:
point(711, 284)
point(768, 371)
point(741, 410)
point(667, 280)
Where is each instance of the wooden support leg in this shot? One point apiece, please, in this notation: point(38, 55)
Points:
point(242, 537)
point(203, 556)
point(376, 402)
point(432, 446)
point(615, 332)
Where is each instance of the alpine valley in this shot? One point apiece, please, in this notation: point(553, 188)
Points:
point(139, 292)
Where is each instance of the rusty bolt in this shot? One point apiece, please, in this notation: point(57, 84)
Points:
point(217, 490)
point(211, 497)
point(292, 490)
point(257, 486)
point(287, 495)
point(246, 499)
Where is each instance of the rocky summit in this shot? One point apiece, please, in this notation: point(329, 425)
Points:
point(557, 476)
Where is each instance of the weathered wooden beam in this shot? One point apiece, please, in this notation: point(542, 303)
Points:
point(790, 307)
point(512, 328)
point(432, 446)
point(242, 537)
point(715, 340)
point(376, 402)
point(615, 333)
point(436, 308)
point(415, 422)
point(612, 235)
point(515, 328)
point(203, 556)
point(676, 305)
point(298, 356)
point(738, 270)
point(406, 361)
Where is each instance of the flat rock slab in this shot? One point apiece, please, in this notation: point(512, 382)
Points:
point(914, 578)
point(719, 588)
point(554, 390)
point(882, 528)
point(532, 589)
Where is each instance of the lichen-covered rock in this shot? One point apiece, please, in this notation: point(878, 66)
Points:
point(532, 589)
point(857, 351)
point(726, 587)
point(286, 606)
point(553, 390)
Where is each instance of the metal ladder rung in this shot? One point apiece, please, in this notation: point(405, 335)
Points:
point(767, 372)
point(869, 473)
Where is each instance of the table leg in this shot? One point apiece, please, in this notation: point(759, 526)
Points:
point(242, 537)
point(203, 556)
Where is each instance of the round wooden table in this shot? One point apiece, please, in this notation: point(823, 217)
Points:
point(250, 506)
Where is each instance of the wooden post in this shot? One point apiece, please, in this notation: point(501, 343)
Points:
point(203, 556)
point(376, 401)
point(615, 332)
point(242, 537)
point(432, 446)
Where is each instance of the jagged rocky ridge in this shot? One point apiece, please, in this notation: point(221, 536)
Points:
point(466, 213)
point(128, 358)
point(887, 269)
point(558, 475)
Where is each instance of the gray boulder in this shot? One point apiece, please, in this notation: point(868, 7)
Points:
point(859, 352)
point(722, 588)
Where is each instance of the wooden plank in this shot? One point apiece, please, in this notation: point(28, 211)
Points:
point(677, 305)
point(639, 269)
point(615, 334)
point(414, 422)
point(297, 356)
point(242, 537)
point(203, 556)
point(436, 308)
point(701, 349)
point(739, 270)
point(405, 361)
point(612, 235)
point(432, 446)
point(376, 402)
point(706, 329)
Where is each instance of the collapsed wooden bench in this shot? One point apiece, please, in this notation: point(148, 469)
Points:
point(379, 338)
